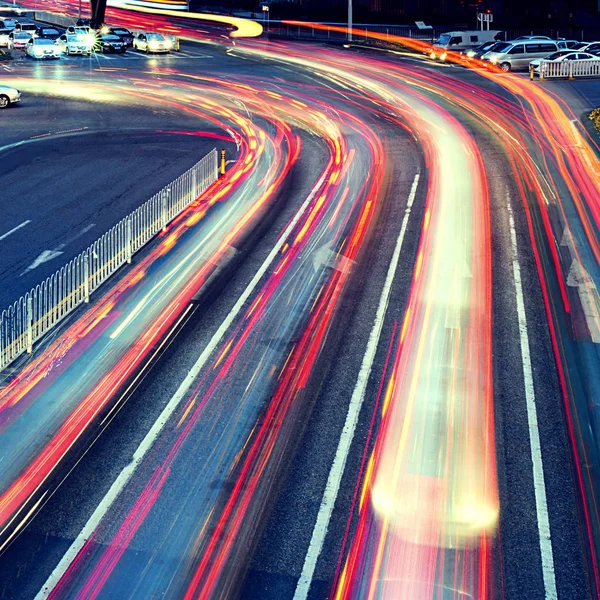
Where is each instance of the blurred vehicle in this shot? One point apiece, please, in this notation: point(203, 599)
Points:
point(124, 34)
point(510, 56)
point(480, 50)
point(567, 44)
point(42, 48)
point(561, 56)
point(461, 40)
point(48, 33)
point(17, 40)
point(152, 42)
point(4, 33)
point(522, 38)
point(26, 26)
point(72, 44)
point(112, 43)
point(7, 23)
point(8, 96)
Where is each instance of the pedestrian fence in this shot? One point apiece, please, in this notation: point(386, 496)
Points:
point(38, 311)
point(569, 68)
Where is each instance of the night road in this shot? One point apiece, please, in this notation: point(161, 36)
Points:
point(364, 363)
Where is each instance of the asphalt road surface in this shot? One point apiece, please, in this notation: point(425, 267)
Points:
point(329, 378)
point(71, 170)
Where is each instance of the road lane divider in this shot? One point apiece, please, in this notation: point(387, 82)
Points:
point(539, 486)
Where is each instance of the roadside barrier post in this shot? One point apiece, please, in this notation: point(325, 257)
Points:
point(542, 67)
point(571, 78)
point(223, 155)
point(86, 277)
point(29, 325)
point(531, 72)
point(165, 208)
point(129, 240)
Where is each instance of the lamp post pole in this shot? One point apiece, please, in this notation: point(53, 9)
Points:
point(350, 20)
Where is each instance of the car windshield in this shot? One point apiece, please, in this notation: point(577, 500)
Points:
point(442, 40)
point(121, 31)
point(72, 38)
point(155, 37)
point(500, 47)
point(22, 36)
point(111, 38)
point(43, 42)
point(579, 45)
point(49, 31)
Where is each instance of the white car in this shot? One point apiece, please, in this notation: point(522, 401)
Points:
point(42, 48)
point(72, 44)
point(17, 40)
point(152, 42)
point(8, 96)
point(561, 56)
point(4, 33)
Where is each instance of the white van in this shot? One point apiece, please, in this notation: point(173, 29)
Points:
point(512, 56)
point(463, 40)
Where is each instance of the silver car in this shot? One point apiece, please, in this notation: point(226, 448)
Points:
point(511, 56)
point(8, 96)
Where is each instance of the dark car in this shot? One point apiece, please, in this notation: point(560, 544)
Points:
point(479, 51)
point(48, 33)
point(124, 34)
point(112, 43)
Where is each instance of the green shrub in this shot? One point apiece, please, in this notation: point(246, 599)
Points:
point(595, 117)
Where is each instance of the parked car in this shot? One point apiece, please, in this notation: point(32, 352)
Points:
point(73, 44)
point(588, 46)
point(17, 40)
point(48, 33)
point(112, 43)
point(480, 50)
point(42, 48)
point(510, 56)
point(124, 34)
point(561, 56)
point(8, 96)
point(7, 23)
point(152, 42)
point(567, 44)
point(4, 33)
point(26, 26)
point(522, 38)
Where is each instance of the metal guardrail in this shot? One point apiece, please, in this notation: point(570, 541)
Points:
point(569, 68)
point(38, 311)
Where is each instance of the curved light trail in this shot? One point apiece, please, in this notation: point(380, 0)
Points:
point(428, 502)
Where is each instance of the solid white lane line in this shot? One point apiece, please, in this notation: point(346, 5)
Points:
point(181, 393)
point(339, 462)
point(4, 236)
point(541, 504)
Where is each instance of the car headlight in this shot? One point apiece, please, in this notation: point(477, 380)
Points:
point(493, 60)
point(153, 45)
point(89, 39)
point(168, 44)
point(443, 56)
point(470, 53)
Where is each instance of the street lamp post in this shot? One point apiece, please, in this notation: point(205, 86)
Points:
point(350, 20)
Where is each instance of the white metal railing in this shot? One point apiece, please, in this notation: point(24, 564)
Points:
point(569, 68)
point(35, 313)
